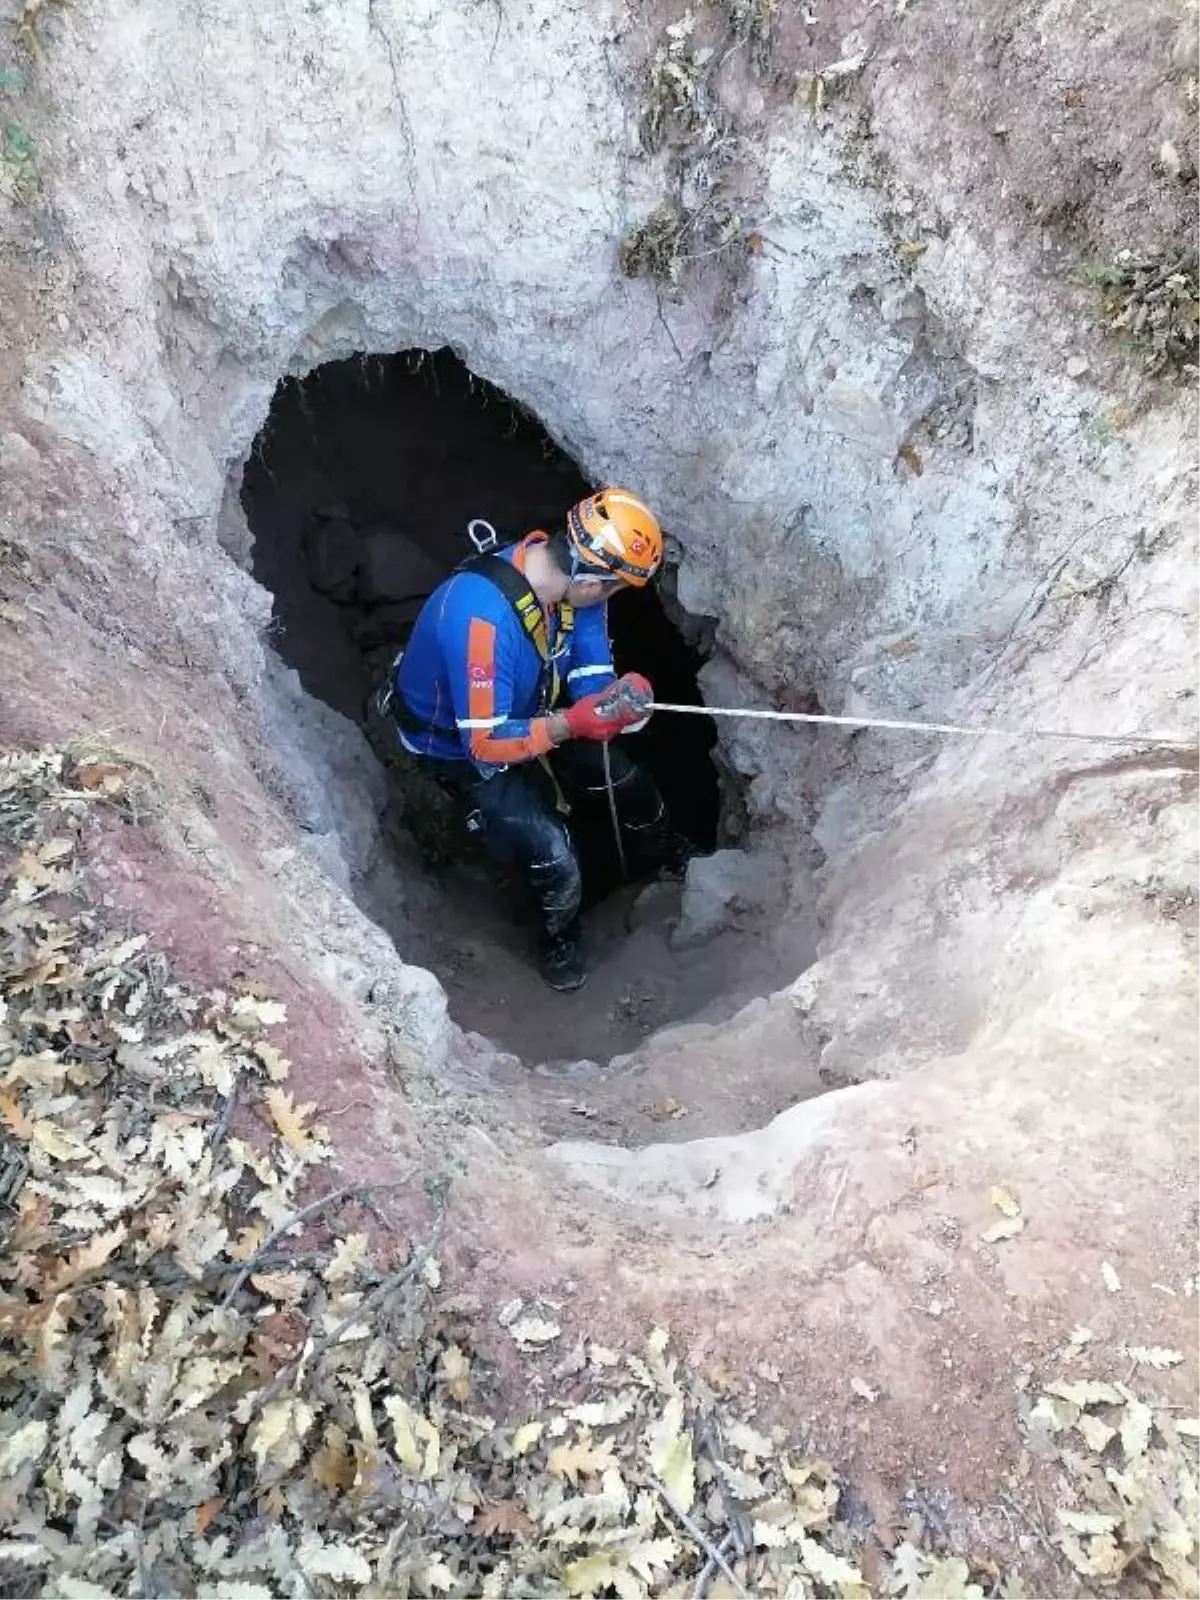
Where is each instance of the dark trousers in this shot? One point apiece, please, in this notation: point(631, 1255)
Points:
point(521, 820)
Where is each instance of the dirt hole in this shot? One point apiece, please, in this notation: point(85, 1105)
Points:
point(358, 493)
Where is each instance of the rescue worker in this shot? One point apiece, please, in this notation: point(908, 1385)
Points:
point(507, 690)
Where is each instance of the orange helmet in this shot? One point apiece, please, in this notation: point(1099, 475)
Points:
point(617, 534)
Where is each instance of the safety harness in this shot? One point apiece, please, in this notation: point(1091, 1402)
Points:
point(515, 588)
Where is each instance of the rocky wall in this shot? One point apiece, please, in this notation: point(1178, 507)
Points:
point(893, 477)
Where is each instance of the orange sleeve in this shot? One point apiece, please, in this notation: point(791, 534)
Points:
point(492, 736)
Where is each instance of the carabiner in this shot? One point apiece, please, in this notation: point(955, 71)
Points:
point(485, 541)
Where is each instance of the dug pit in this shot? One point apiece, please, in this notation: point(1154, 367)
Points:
point(909, 375)
point(359, 491)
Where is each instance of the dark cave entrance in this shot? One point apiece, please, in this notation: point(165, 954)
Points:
point(359, 491)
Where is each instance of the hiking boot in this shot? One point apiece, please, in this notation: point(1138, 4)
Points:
point(562, 961)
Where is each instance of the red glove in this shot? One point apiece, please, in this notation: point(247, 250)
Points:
point(601, 716)
point(637, 694)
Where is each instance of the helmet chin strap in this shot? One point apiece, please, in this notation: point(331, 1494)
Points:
point(582, 570)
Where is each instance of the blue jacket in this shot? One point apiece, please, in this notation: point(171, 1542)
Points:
point(475, 676)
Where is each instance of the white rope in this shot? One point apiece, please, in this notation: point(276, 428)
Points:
point(1188, 742)
point(612, 812)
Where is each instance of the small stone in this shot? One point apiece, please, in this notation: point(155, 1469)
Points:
point(1168, 158)
point(719, 891)
point(393, 568)
point(1077, 366)
point(657, 905)
point(935, 1308)
point(331, 555)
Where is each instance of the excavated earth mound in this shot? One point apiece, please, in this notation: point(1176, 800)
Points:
point(888, 1112)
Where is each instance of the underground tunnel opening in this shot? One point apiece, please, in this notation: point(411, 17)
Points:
point(358, 493)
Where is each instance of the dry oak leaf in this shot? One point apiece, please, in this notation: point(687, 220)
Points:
point(525, 1437)
point(26, 1444)
point(600, 1570)
point(1100, 1557)
point(410, 1428)
point(751, 1443)
point(335, 1466)
point(670, 1447)
point(454, 1369)
point(570, 1461)
point(335, 1560)
point(276, 1063)
point(248, 1011)
point(289, 1119)
point(279, 1420)
point(348, 1253)
point(10, 1109)
point(56, 1144)
point(604, 1413)
point(534, 1331)
point(1152, 1356)
point(503, 1521)
point(87, 1257)
point(835, 1572)
point(1006, 1228)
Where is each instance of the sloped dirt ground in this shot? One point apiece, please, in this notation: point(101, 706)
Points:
point(955, 1414)
point(870, 1321)
point(1078, 120)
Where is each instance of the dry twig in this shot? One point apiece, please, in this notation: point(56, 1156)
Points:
point(255, 1262)
point(377, 1295)
point(698, 1534)
point(221, 1127)
point(711, 1566)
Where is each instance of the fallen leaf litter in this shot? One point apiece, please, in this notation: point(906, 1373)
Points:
point(193, 1399)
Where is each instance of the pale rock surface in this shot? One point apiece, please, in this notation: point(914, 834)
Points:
point(239, 193)
point(721, 889)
